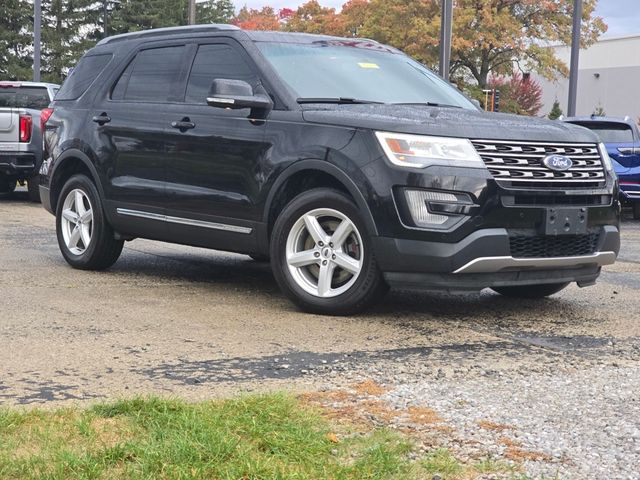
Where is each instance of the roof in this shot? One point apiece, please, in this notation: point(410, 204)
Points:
point(213, 27)
point(28, 84)
point(595, 118)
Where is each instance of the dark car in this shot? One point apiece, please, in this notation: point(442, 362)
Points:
point(622, 139)
point(349, 165)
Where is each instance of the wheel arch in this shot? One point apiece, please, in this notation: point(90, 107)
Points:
point(315, 173)
point(69, 163)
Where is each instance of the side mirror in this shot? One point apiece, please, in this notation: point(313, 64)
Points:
point(236, 95)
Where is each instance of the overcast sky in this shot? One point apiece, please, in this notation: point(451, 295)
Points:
point(622, 16)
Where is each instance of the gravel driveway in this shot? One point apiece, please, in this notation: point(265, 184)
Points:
point(555, 383)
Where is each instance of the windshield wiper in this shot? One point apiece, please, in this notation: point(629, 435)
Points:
point(430, 104)
point(336, 100)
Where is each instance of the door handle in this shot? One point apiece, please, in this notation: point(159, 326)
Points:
point(184, 124)
point(101, 119)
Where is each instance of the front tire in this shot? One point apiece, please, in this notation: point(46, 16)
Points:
point(322, 257)
point(531, 291)
point(85, 238)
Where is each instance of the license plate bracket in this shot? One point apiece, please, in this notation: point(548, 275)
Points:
point(565, 221)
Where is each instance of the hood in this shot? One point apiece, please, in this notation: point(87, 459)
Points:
point(447, 122)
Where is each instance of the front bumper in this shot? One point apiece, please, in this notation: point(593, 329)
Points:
point(483, 259)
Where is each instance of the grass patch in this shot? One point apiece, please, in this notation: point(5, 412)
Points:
point(255, 437)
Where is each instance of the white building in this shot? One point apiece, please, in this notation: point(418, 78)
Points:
point(609, 77)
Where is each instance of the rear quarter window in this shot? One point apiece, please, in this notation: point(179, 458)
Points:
point(83, 76)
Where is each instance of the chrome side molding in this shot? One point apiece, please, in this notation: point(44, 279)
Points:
point(184, 221)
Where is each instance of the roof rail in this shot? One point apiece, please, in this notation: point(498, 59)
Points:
point(214, 27)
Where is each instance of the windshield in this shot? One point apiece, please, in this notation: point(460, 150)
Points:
point(359, 70)
point(24, 97)
point(610, 132)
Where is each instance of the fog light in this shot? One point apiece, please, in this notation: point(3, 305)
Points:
point(417, 201)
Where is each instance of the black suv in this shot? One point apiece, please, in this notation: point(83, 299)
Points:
point(348, 164)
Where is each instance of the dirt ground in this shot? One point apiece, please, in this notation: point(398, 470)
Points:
point(174, 320)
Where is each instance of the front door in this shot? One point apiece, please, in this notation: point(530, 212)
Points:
point(214, 157)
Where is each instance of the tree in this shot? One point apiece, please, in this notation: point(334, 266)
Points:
point(404, 24)
point(489, 36)
point(252, 19)
point(215, 11)
point(556, 111)
point(63, 38)
point(598, 111)
point(311, 17)
point(15, 40)
point(518, 94)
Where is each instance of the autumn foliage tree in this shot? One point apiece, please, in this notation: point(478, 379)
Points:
point(518, 94)
point(489, 36)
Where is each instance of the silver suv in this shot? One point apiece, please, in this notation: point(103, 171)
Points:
point(23, 112)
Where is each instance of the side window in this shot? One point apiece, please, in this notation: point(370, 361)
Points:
point(151, 76)
point(216, 61)
point(82, 76)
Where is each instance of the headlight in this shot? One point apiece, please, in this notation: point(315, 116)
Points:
point(606, 159)
point(419, 151)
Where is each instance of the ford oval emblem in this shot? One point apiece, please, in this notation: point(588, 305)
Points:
point(559, 163)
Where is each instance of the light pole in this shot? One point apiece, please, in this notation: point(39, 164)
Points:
point(446, 27)
point(37, 24)
point(191, 12)
point(575, 57)
point(105, 18)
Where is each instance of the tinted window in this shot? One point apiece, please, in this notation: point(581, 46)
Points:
point(360, 70)
point(83, 76)
point(610, 132)
point(216, 61)
point(24, 97)
point(151, 76)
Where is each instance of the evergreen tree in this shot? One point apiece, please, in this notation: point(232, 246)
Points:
point(215, 11)
point(15, 40)
point(64, 35)
point(556, 111)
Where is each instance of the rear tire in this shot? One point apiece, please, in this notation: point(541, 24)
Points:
point(7, 186)
point(322, 257)
point(636, 210)
point(531, 291)
point(85, 238)
point(33, 186)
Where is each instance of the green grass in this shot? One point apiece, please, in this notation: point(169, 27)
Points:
point(257, 437)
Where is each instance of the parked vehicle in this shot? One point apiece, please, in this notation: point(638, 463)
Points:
point(347, 163)
point(622, 139)
point(23, 110)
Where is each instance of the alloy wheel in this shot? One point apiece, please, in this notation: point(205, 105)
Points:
point(324, 252)
point(77, 221)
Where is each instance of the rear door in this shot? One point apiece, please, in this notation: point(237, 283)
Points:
point(132, 125)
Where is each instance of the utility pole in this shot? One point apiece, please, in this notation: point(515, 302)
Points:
point(37, 24)
point(446, 27)
point(191, 12)
point(575, 57)
point(105, 18)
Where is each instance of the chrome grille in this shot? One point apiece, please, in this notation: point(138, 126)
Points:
point(520, 163)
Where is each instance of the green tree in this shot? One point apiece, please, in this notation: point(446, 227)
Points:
point(556, 111)
point(215, 11)
point(64, 35)
point(15, 39)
